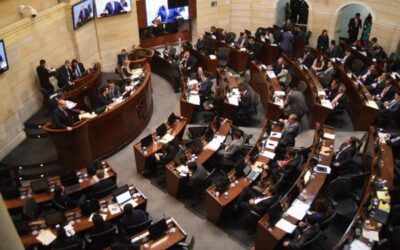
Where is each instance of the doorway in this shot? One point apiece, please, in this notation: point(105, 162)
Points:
point(295, 10)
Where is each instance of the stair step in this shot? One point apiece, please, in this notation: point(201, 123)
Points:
point(32, 173)
point(35, 133)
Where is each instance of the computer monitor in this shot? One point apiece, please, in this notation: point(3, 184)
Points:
point(161, 130)
point(55, 218)
point(40, 186)
point(275, 213)
point(171, 119)
point(122, 194)
point(147, 141)
point(254, 153)
point(180, 158)
point(158, 229)
point(89, 207)
point(239, 167)
point(69, 179)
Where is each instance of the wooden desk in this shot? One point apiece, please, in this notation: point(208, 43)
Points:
point(270, 237)
point(110, 131)
point(216, 204)
point(205, 62)
point(266, 87)
point(163, 68)
point(82, 224)
point(141, 157)
point(237, 59)
point(172, 175)
point(86, 183)
point(268, 53)
point(171, 237)
point(364, 58)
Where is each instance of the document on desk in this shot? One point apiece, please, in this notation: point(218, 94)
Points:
point(278, 101)
point(279, 93)
point(327, 103)
point(234, 100)
point(271, 144)
point(370, 234)
point(358, 245)
point(329, 136)
point(96, 179)
point(321, 93)
point(235, 91)
point(276, 135)
point(114, 208)
point(371, 104)
point(268, 154)
point(70, 105)
point(271, 74)
point(46, 237)
point(215, 143)
point(298, 209)
point(182, 169)
point(194, 99)
point(192, 82)
point(285, 226)
point(87, 115)
point(167, 138)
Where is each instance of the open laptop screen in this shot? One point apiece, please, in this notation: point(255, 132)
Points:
point(121, 198)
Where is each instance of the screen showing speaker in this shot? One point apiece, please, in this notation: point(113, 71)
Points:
point(3, 57)
point(82, 13)
point(106, 8)
point(164, 11)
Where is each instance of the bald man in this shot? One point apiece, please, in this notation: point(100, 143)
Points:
point(62, 116)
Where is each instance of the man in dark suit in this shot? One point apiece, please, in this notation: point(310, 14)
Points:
point(345, 153)
point(44, 75)
point(62, 116)
point(114, 91)
point(103, 183)
point(389, 111)
point(295, 103)
point(103, 98)
point(65, 76)
point(326, 76)
point(63, 241)
point(305, 232)
point(162, 158)
point(308, 59)
point(197, 173)
point(340, 100)
point(121, 57)
point(347, 59)
point(187, 64)
point(334, 50)
point(245, 105)
point(355, 24)
point(388, 91)
point(132, 216)
point(332, 92)
point(113, 8)
point(226, 155)
point(291, 129)
point(277, 66)
point(78, 69)
point(201, 44)
point(166, 14)
point(287, 42)
point(369, 77)
point(204, 87)
point(243, 41)
point(254, 48)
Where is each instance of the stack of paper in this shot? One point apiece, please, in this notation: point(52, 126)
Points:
point(271, 74)
point(213, 57)
point(268, 154)
point(70, 105)
point(276, 135)
point(321, 93)
point(298, 209)
point(285, 226)
point(233, 100)
point(372, 104)
point(46, 237)
point(235, 91)
point(167, 138)
point(87, 116)
point(329, 136)
point(327, 103)
point(194, 99)
point(182, 169)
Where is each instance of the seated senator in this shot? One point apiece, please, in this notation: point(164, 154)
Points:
point(198, 173)
point(132, 216)
point(63, 241)
point(103, 98)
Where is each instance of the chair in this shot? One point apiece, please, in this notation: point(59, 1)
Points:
point(324, 224)
point(357, 184)
point(103, 239)
point(105, 191)
point(307, 244)
point(223, 56)
point(135, 229)
point(340, 197)
point(356, 66)
point(31, 209)
point(88, 102)
point(75, 246)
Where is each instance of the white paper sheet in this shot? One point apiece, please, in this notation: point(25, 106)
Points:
point(194, 99)
point(279, 93)
point(215, 143)
point(192, 82)
point(372, 104)
point(114, 209)
point(46, 237)
point(70, 104)
point(326, 103)
point(285, 226)
point(268, 154)
point(213, 57)
point(168, 137)
point(278, 102)
point(358, 245)
point(298, 209)
point(329, 136)
point(271, 74)
point(276, 135)
point(370, 234)
point(233, 100)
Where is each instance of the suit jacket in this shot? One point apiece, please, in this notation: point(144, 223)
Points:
point(389, 95)
point(64, 75)
point(348, 61)
point(290, 168)
point(205, 89)
point(97, 230)
point(198, 175)
point(323, 43)
point(290, 131)
point(332, 93)
point(309, 59)
point(341, 103)
point(115, 93)
point(231, 148)
point(256, 49)
point(171, 17)
point(170, 152)
point(103, 100)
point(121, 58)
point(75, 68)
point(371, 77)
point(137, 217)
point(295, 104)
point(117, 9)
point(44, 75)
point(201, 44)
point(245, 42)
point(62, 119)
point(307, 234)
point(326, 76)
point(287, 42)
point(190, 64)
point(353, 27)
point(345, 154)
point(263, 206)
point(334, 51)
point(245, 103)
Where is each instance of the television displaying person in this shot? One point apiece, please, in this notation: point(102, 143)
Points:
point(113, 8)
point(167, 15)
point(84, 15)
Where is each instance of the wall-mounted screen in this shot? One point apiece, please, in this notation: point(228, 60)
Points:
point(164, 11)
point(106, 8)
point(82, 13)
point(3, 57)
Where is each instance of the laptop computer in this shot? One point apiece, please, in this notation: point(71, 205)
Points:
point(161, 130)
point(123, 196)
point(55, 218)
point(171, 119)
point(239, 167)
point(250, 174)
point(89, 207)
point(158, 229)
point(147, 141)
point(70, 181)
point(40, 186)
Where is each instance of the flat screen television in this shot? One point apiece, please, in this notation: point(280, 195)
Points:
point(164, 11)
point(105, 8)
point(82, 13)
point(3, 57)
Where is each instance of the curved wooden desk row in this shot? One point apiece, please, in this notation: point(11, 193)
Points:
point(173, 175)
point(141, 53)
point(81, 223)
point(362, 112)
point(96, 138)
point(142, 157)
point(215, 203)
point(364, 58)
point(269, 237)
point(85, 183)
point(381, 166)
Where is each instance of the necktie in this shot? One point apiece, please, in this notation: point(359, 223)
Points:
point(78, 71)
point(69, 76)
